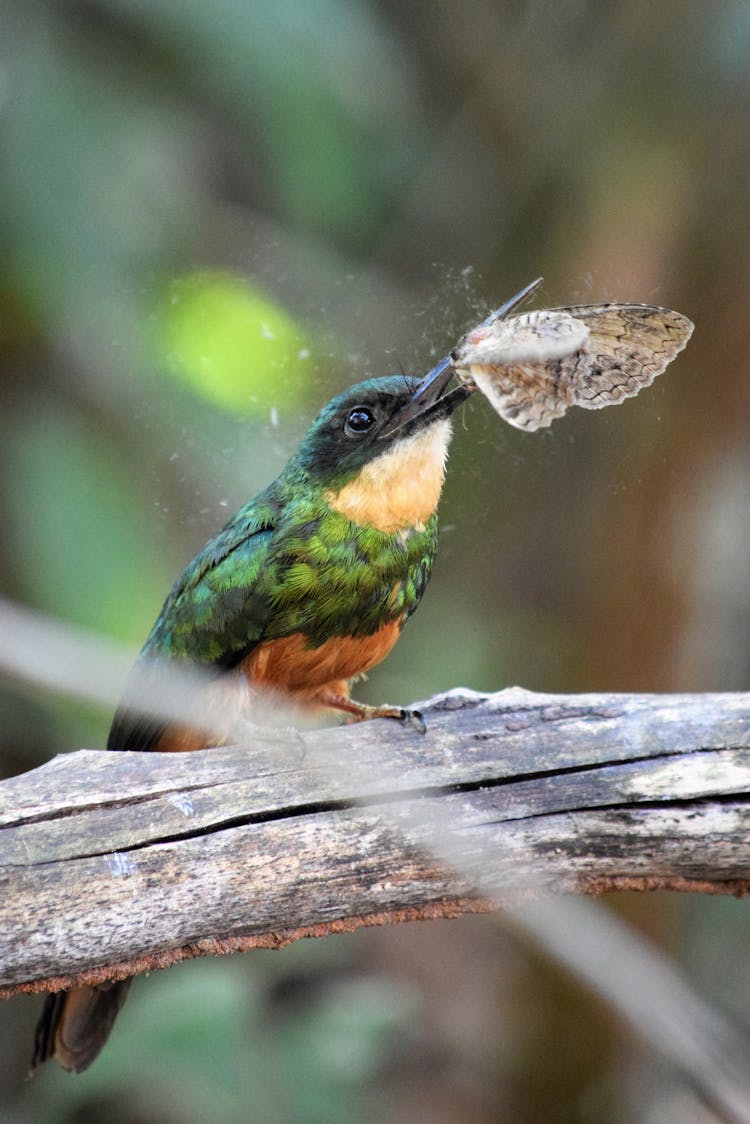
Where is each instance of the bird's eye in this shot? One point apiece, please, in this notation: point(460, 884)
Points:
point(359, 420)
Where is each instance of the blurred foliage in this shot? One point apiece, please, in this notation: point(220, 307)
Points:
point(231, 344)
point(209, 1039)
point(359, 181)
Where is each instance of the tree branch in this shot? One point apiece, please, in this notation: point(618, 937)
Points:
point(116, 863)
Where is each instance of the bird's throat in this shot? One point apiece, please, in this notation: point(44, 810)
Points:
point(401, 488)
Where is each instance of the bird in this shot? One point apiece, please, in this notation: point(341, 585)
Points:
point(304, 590)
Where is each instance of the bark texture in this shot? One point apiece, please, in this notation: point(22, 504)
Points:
point(116, 863)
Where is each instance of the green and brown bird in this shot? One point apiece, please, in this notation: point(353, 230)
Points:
point(306, 588)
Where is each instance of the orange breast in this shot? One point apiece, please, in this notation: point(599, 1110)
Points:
point(289, 665)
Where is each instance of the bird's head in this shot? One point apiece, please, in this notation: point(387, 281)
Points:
point(378, 450)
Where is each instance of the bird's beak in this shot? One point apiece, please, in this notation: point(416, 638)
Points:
point(426, 401)
point(509, 306)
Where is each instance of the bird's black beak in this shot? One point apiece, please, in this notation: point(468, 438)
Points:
point(509, 306)
point(428, 401)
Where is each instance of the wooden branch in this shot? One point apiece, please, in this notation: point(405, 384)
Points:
point(115, 863)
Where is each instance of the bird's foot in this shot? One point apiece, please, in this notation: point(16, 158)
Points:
point(414, 719)
point(411, 718)
point(361, 712)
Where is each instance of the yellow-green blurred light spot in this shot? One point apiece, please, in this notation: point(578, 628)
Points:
point(231, 344)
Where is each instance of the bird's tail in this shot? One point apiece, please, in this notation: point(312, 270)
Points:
point(74, 1025)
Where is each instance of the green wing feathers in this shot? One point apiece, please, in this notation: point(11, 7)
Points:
point(285, 565)
point(215, 614)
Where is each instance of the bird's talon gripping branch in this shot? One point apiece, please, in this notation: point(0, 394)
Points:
point(406, 717)
point(414, 719)
point(363, 712)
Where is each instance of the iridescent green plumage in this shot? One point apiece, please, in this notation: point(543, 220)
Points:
point(287, 564)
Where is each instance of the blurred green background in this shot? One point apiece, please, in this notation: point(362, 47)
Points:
point(214, 217)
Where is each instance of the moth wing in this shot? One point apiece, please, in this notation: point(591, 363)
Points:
point(628, 346)
point(528, 396)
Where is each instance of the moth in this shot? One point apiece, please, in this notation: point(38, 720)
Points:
point(533, 366)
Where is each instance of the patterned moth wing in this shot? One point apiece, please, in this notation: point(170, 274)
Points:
point(533, 367)
point(629, 345)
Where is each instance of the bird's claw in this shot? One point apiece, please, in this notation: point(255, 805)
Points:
point(414, 719)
